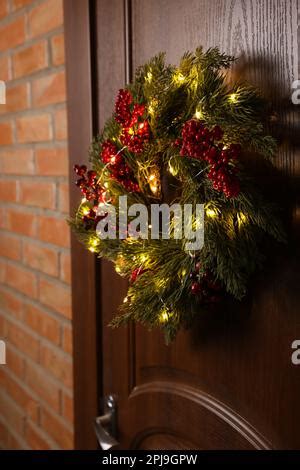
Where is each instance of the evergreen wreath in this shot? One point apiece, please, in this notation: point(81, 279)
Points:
point(179, 134)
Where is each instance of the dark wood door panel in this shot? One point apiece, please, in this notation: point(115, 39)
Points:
point(185, 417)
point(238, 360)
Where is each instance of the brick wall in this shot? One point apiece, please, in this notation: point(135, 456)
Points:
point(35, 301)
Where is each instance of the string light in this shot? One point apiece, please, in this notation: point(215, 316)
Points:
point(85, 210)
point(92, 249)
point(233, 97)
point(242, 218)
point(125, 300)
point(198, 114)
point(178, 77)
point(211, 213)
point(163, 316)
point(172, 169)
point(153, 181)
point(149, 77)
point(83, 200)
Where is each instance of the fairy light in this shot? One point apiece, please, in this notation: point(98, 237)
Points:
point(149, 77)
point(242, 218)
point(85, 210)
point(211, 213)
point(198, 114)
point(172, 170)
point(106, 185)
point(143, 258)
point(125, 300)
point(153, 183)
point(92, 249)
point(233, 98)
point(178, 77)
point(94, 242)
point(163, 316)
point(83, 200)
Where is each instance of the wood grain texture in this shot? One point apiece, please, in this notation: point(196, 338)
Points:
point(84, 273)
point(241, 357)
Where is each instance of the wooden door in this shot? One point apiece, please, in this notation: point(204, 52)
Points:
point(228, 383)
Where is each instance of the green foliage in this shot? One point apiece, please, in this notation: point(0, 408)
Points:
point(234, 236)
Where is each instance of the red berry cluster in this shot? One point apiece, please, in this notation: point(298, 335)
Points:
point(135, 129)
point(92, 192)
point(88, 183)
point(204, 286)
point(119, 169)
point(202, 143)
point(122, 107)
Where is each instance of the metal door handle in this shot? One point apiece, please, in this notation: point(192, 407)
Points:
point(106, 425)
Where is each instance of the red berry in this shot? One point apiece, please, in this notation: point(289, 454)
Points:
point(195, 288)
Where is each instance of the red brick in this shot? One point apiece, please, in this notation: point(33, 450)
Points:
point(55, 296)
point(42, 323)
point(60, 123)
point(53, 230)
point(30, 60)
point(63, 198)
point(12, 34)
point(21, 222)
point(22, 280)
point(58, 49)
point(10, 247)
point(65, 267)
point(44, 388)
point(17, 162)
point(16, 99)
point(34, 438)
point(41, 258)
point(37, 194)
point(11, 303)
point(15, 362)
point(6, 135)
point(49, 90)
point(45, 17)
point(3, 8)
point(22, 340)
point(56, 363)
point(56, 428)
point(2, 271)
point(11, 414)
point(8, 191)
point(52, 161)
point(20, 396)
point(68, 339)
point(68, 405)
point(34, 128)
point(4, 69)
point(20, 3)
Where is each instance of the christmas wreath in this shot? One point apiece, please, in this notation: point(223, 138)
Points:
point(179, 134)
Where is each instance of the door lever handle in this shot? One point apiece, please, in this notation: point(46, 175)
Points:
point(106, 425)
